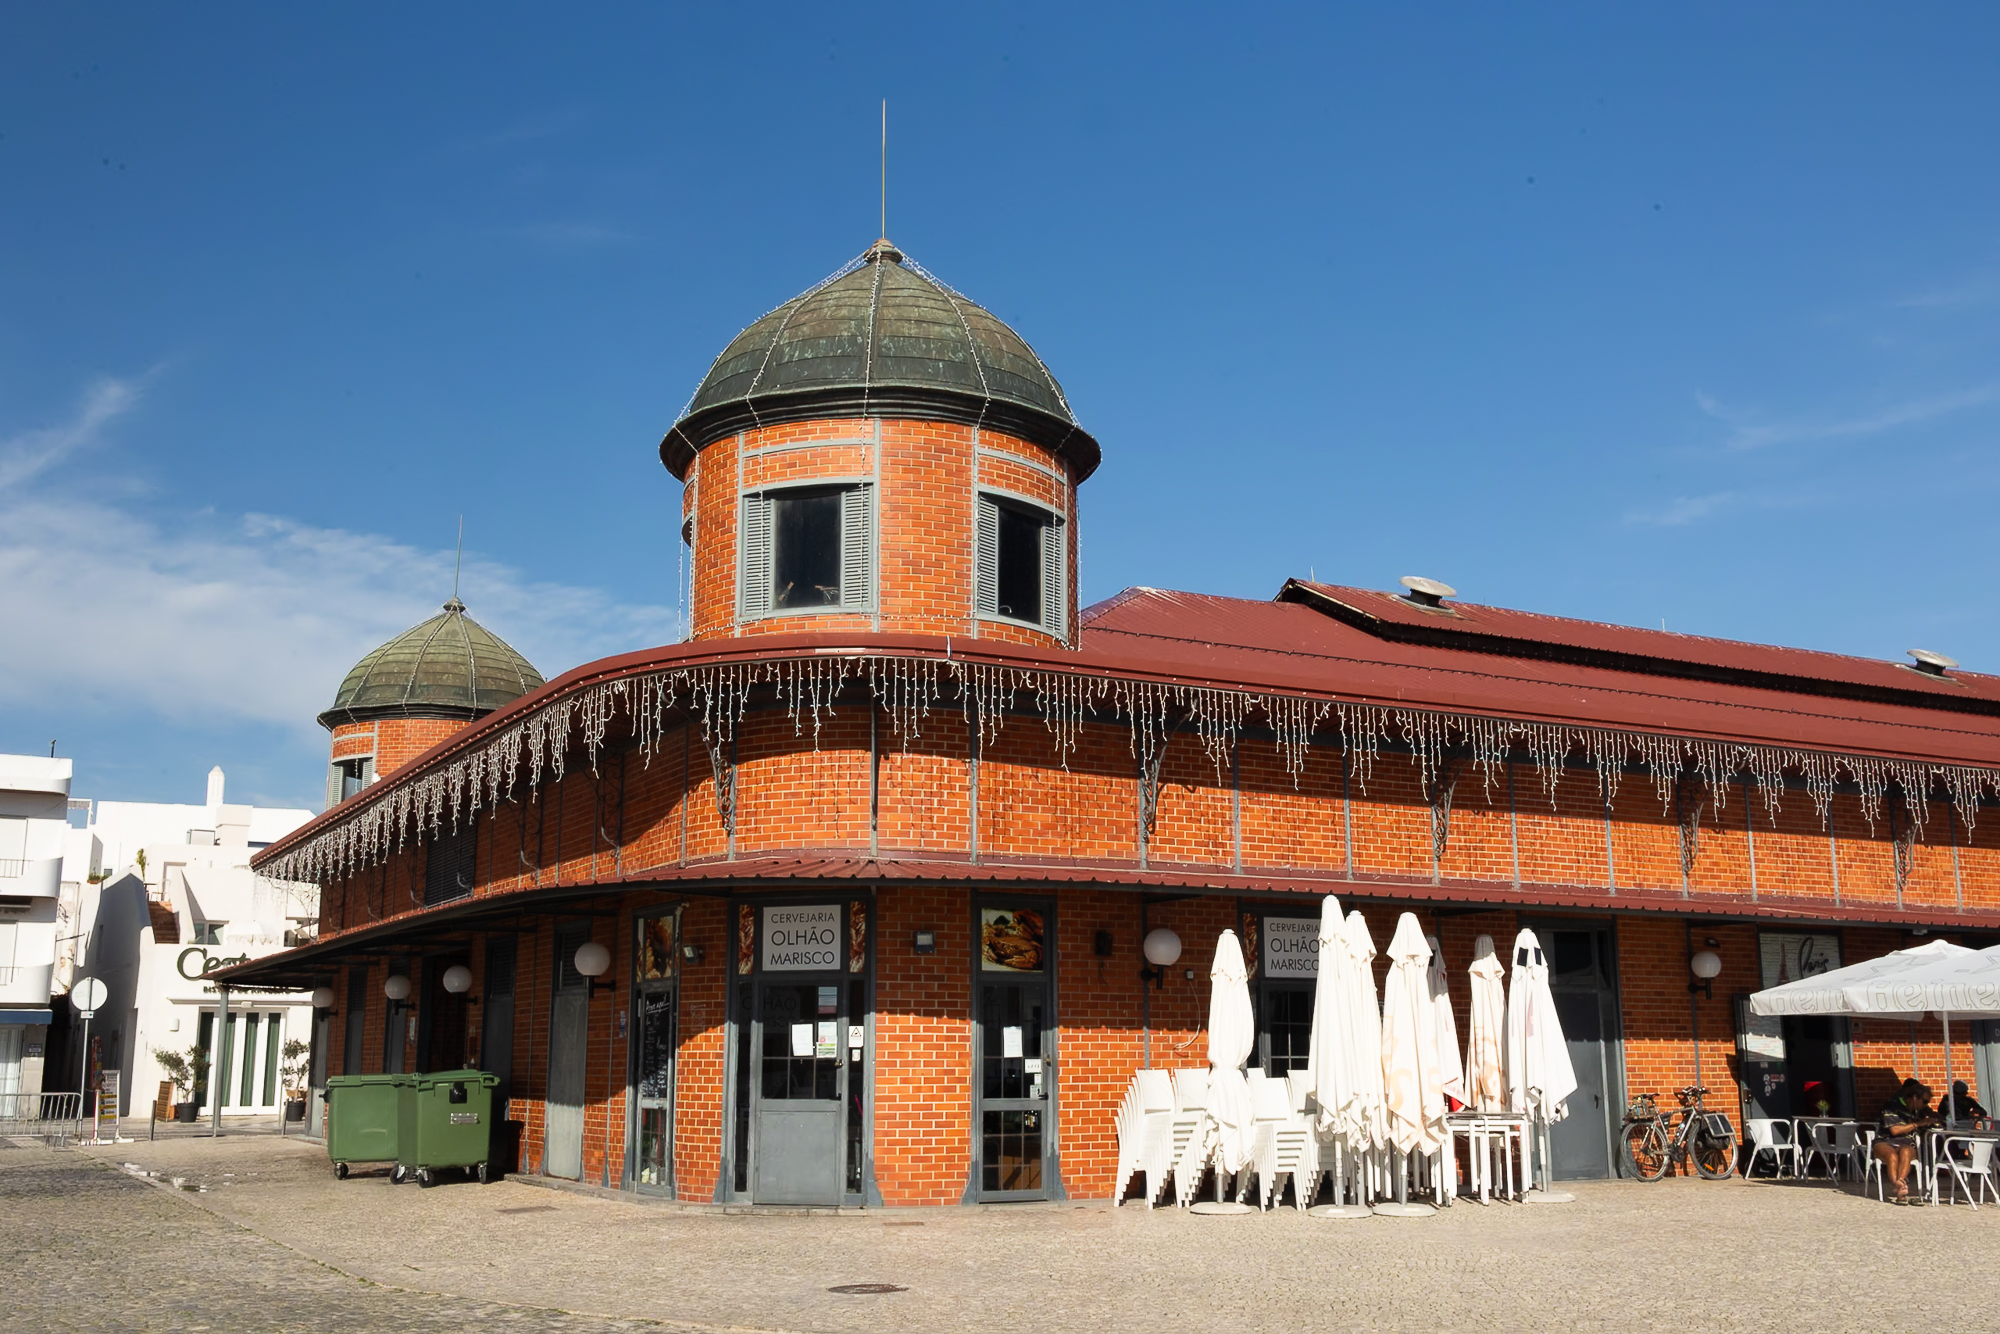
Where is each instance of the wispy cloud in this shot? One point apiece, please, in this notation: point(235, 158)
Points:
point(25, 455)
point(528, 130)
point(1749, 433)
point(1684, 510)
point(198, 617)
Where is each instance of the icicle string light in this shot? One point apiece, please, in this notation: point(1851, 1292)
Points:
point(907, 689)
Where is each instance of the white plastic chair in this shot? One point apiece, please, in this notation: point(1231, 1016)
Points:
point(1145, 1133)
point(1775, 1138)
point(1282, 1140)
point(1977, 1168)
point(1305, 1177)
point(1193, 1138)
point(1834, 1146)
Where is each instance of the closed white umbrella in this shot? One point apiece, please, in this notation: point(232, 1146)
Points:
point(1447, 1024)
point(1326, 1049)
point(1412, 1074)
point(1485, 1082)
point(1363, 1121)
point(1231, 1035)
point(1540, 1077)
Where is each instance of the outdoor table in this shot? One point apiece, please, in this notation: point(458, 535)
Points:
point(1481, 1129)
point(1802, 1135)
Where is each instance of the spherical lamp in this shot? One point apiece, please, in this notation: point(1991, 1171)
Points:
point(458, 979)
point(322, 998)
point(397, 987)
point(1706, 965)
point(1162, 947)
point(592, 958)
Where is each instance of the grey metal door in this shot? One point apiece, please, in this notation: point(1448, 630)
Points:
point(1016, 1073)
point(1582, 981)
point(798, 1157)
point(569, 1032)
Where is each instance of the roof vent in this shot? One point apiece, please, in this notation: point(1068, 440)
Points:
point(1430, 593)
point(1932, 664)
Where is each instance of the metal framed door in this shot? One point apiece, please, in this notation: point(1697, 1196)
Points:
point(569, 1032)
point(1284, 1027)
point(655, 1003)
point(496, 1047)
point(1583, 980)
point(800, 1090)
point(1014, 1050)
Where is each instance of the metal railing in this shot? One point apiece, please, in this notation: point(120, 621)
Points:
point(12, 868)
point(8, 975)
point(53, 1117)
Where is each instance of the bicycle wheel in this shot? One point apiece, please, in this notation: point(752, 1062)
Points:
point(1713, 1154)
point(1646, 1154)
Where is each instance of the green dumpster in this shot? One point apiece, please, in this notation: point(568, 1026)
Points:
point(364, 1121)
point(447, 1121)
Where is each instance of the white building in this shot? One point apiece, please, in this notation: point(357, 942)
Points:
point(34, 819)
point(184, 903)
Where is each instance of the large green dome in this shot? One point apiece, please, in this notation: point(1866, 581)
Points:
point(451, 666)
point(880, 338)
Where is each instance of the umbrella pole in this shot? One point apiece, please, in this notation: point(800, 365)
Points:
point(1950, 1102)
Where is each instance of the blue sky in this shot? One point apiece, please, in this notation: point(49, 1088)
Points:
point(1640, 313)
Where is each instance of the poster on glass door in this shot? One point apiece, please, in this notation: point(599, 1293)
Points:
point(803, 940)
point(1291, 947)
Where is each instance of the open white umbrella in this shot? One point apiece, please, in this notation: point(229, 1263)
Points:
point(1936, 977)
point(1447, 1024)
point(1362, 1120)
point(1231, 1035)
point(1540, 1077)
point(1412, 1073)
point(1485, 1082)
point(1327, 1048)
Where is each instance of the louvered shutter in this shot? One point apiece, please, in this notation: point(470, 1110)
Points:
point(1055, 579)
point(857, 548)
point(986, 586)
point(334, 774)
point(753, 566)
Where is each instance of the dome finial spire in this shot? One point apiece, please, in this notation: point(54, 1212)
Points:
point(884, 233)
point(457, 564)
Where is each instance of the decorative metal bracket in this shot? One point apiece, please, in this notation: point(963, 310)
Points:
point(1149, 783)
point(1690, 795)
point(1442, 784)
point(722, 764)
point(1902, 839)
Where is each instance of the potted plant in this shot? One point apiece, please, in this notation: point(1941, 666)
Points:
point(184, 1070)
point(293, 1068)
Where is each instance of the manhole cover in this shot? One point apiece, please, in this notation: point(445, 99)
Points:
point(865, 1289)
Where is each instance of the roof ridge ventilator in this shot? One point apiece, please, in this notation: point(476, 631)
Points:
point(1931, 664)
point(1430, 593)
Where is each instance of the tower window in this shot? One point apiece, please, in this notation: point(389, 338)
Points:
point(347, 777)
point(1022, 573)
point(807, 549)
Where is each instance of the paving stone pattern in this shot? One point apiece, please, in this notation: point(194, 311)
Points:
point(275, 1242)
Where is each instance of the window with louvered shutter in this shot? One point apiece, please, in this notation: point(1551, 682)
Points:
point(753, 564)
point(857, 548)
point(1055, 580)
point(987, 577)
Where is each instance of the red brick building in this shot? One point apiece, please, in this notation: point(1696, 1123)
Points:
point(870, 857)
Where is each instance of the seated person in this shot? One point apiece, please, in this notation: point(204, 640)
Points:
point(1903, 1118)
point(1963, 1106)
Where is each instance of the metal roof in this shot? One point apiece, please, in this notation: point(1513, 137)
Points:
point(880, 338)
point(450, 666)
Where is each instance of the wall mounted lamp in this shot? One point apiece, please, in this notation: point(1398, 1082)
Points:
point(591, 961)
point(396, 987)
point(322, 998)
point(691, 952)
point(1162, 948)
point(1705, 965)
point(923, 942)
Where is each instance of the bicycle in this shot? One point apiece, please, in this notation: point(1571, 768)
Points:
point(1655, 1140)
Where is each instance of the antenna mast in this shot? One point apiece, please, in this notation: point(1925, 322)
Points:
point(885, 168)
point(458, 562)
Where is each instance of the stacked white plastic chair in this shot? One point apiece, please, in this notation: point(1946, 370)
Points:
point(1145, 1133)
point(1282, 1147)
point(1193, 1135)
point(1305, 1178)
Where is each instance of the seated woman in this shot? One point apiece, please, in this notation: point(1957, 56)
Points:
point(1903, 1118)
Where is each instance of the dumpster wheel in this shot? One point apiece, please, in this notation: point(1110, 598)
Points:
point(340, 1171)
point(482, 1174)
point(398, 1175)
point(426, 1178)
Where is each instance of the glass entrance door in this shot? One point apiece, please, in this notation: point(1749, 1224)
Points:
point(654, 1004)
point(1016, 1058)
point(801, 1087)
point(1284, 1027)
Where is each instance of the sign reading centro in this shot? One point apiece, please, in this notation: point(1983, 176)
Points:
point(802, 940)
point(1291, 947)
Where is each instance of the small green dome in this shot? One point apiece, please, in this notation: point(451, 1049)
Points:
point(451, 666)
point(881, 338)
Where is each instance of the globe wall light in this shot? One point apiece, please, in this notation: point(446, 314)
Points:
point(397, 987)
point(458, 979)
point(322, 998)
point(1705, 965)
point(1162, 947)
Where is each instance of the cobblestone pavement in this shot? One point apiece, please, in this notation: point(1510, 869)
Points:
point(274, 1242)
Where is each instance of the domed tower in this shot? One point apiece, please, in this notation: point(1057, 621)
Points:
point(880, 453)
point(415, 691)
